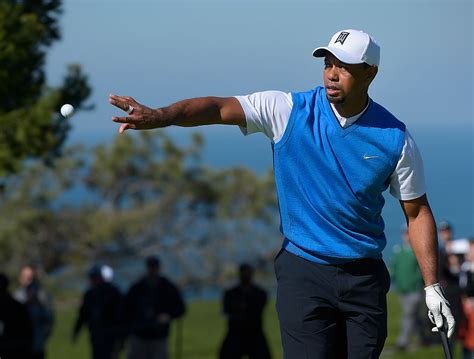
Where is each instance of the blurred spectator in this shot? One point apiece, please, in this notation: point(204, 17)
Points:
point(450, 267)
point(243, 307)
point(406, 275)
point(466, 281)
point(40, 307)
point(15, 325)
point(101, 310)
point(151, 304)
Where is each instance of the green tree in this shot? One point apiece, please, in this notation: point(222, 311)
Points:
point(35, 226)
point(31, 125)
point(146, 195)
point(157, 197)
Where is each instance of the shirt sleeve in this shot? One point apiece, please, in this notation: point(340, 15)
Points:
point(267, 112)
point(408, 180)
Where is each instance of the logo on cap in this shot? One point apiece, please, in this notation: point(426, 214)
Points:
point(342, 37)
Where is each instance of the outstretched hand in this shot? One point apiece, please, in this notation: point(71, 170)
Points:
point(139, 116)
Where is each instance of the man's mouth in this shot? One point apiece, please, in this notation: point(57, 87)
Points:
point(332, 90)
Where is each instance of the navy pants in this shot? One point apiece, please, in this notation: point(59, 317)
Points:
point(331, 311)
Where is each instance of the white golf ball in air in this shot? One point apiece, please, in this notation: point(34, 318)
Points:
point(67, 110)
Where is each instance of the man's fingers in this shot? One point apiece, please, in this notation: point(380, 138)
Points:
point(120, 101)
point(123, 128)
point(130, 99)
point(451, 325)
point(121, 105)
point(126, 126)
point(436, 318)
point(447, 316)
point(122, 119)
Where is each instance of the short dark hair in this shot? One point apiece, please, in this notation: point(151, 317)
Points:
point(152, 261)
point(444, 225)
point(94, 272)
point(245, 266)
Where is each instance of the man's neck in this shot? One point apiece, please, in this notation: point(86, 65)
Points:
point(351, 109)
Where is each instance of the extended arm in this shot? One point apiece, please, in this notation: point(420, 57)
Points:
point(81, 318)
point(423, 239)
point(187, 113)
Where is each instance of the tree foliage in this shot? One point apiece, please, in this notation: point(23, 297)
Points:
point(158, 197)
point(138, 195)
point(31, 125)
point(141, 194)
point(34, 226)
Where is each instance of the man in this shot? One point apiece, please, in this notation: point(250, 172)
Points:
point(466, 282)
point(40, 307)
point(407, 278)
point(450, 268)
point(243, 307)
point(102, 310)
point(15, 325)
point(335, 151)
point(151, 304)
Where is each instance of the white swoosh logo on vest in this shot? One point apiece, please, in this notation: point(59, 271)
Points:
point(367, 157)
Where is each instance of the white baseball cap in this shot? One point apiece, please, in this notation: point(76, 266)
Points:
point(107, 273)
point(352, 47)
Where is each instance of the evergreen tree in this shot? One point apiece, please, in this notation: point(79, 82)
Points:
point(32, 128)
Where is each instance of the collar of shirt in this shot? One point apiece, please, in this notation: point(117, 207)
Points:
point(347, 121)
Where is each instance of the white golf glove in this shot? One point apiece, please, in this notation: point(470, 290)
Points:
point(439, 310)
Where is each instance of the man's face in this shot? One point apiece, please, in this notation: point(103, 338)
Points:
point(470, 253)
point(446, 234)
point(345, 83)
point(152, 271)
point(246, 276)
point(27, 275)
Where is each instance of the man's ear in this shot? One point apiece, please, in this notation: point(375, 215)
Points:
point(373, 72)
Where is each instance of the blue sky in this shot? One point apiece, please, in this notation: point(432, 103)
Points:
point(163, 51)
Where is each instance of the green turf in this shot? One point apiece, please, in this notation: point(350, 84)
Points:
point(203, 329)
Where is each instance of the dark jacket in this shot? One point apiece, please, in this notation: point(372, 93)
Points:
point(16, 333)
point(146, 300)
point(244, 308)
point(101, 309)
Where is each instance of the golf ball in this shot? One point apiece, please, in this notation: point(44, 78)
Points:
point(67, 110)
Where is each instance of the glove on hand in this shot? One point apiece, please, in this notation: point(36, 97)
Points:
point(439, 310)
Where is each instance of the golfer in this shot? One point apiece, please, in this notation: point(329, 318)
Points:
point(335, 151)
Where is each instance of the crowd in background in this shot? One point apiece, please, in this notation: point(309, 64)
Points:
point(136, 322)
point(456, 275)
point(26, 317)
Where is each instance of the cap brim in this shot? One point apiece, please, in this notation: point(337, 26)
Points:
point(340, 54)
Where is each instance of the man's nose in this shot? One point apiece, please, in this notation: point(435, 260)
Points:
point(333, 74)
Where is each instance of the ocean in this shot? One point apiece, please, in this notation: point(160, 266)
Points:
point(448, 155)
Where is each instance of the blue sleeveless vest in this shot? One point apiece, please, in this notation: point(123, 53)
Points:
point(330, 179)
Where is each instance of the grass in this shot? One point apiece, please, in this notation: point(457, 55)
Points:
point(204, 328)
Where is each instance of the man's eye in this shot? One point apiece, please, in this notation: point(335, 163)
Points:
point(344, 68)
